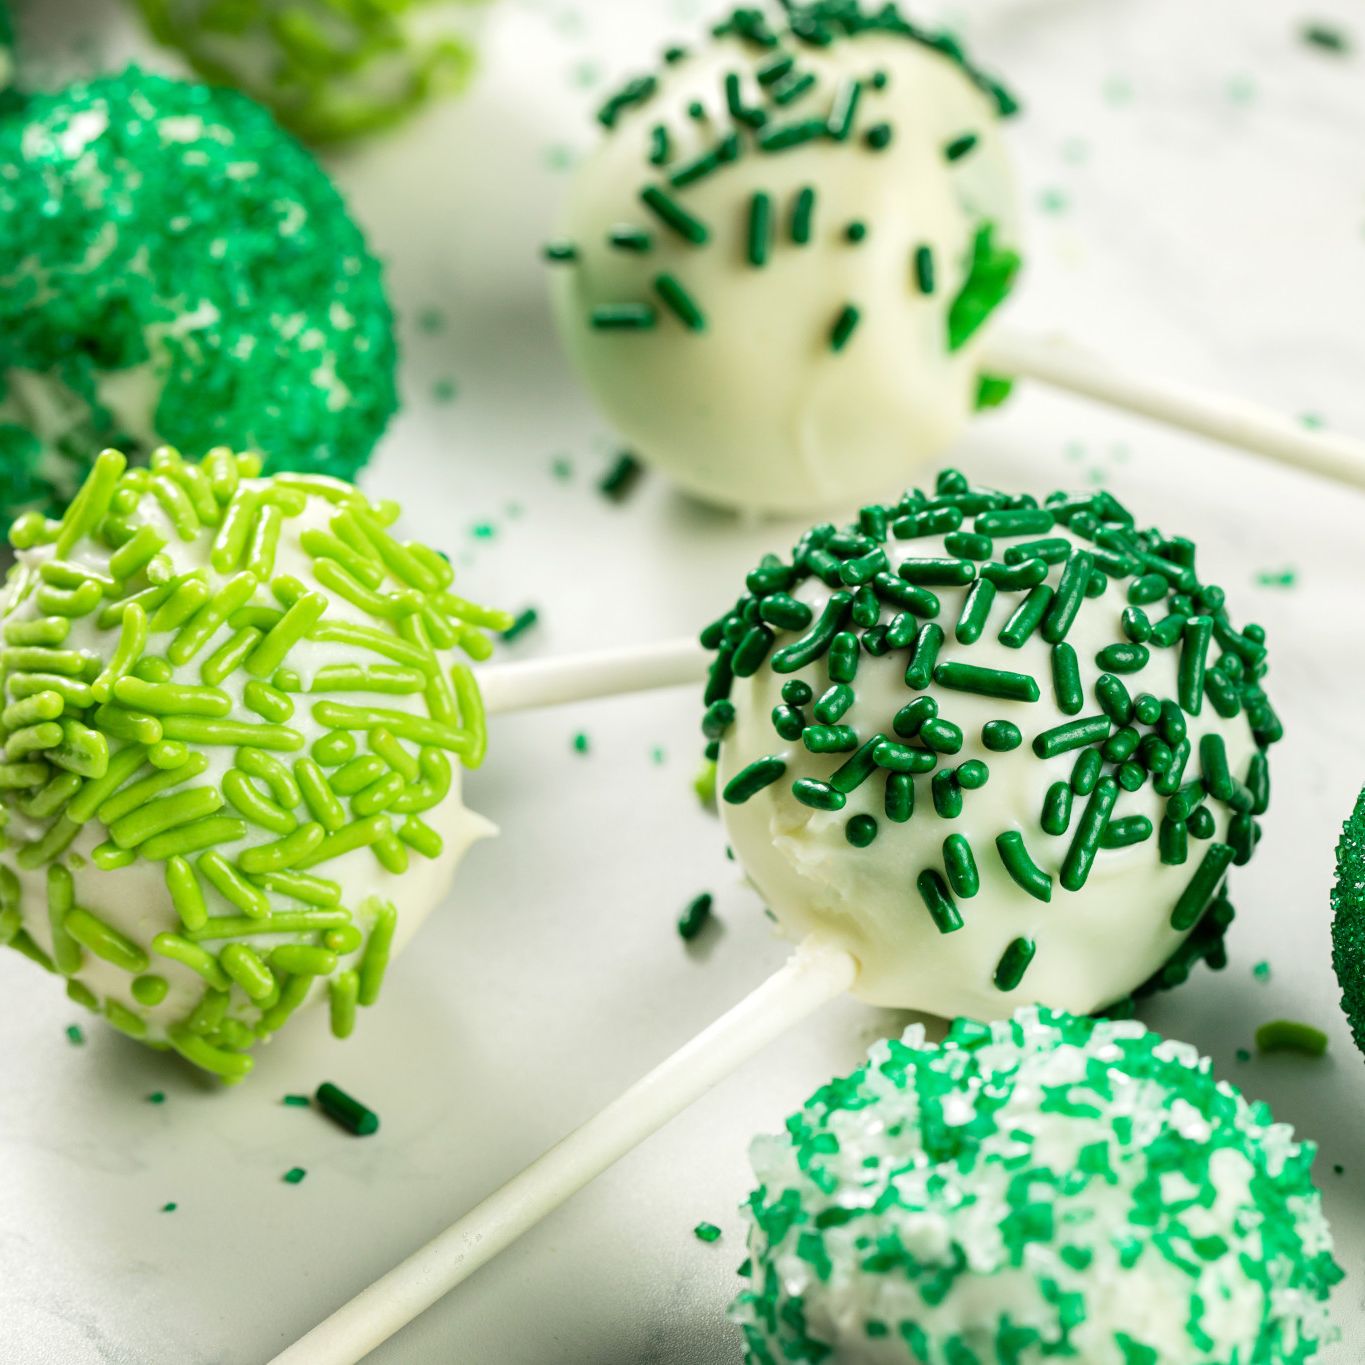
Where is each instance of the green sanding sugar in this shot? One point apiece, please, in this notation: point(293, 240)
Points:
point(172, 230)
point(294, 1175)
point(1348, 922)
point(1033, 1187)
point(330, 69)
point(706, 1232)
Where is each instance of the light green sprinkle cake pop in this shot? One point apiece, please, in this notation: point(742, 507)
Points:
point(175, 269)
point(234, 728)
point(330, 69)
point(1041, 1188)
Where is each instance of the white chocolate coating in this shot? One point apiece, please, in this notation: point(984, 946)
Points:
point(757, 411)
point(1093, 946)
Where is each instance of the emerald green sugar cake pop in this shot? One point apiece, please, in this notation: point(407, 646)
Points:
point(1045, 1187)
point(998, 751)
point(776, 267)
point(174, 268)
point(330, 69)
point(1348, 923)
point(235, 723)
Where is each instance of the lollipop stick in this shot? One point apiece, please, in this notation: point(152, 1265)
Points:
point(816, 973)
point(604, 673)
point(1229, 420)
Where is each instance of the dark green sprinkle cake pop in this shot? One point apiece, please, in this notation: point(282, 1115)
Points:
point(330, 69)
point(174, 268)
point(1348, 923)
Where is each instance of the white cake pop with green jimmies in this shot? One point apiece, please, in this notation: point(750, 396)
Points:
point(235, 724)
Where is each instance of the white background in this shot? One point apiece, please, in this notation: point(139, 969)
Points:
point(1195, 186)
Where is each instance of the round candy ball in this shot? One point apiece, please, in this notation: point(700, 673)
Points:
point(329, 69)
point(235, 727)
point(1000, 752)
point(775, 265)
point(1040, 1188)
point(1348, 923)
point(180, 271)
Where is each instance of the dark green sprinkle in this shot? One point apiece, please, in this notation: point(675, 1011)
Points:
point(861, 830)
point(525, 620)
point(976, 610)
point(1001, 736)
point(1173, 842)
point(1201, 823)
point(935, 521)
point(946, 793)
point(658, 145)
point(1147, 708)
point(1327, 37)
point(924, 268)
point(960, 863)
point(855, 232)
point(940, 735)
point(760, 228)
point(1020, 521)
point(1072, 734)
point(902, 758)
point(1114, 698)
point(1132, 829)
point(627, 238)
point(1066, 680)
point(899, 801)
point(844, 109)
point(1086, 771)
point(1023, 871)
point(75, 1035)
point(1026, 618)
point(960, 146)
point(774, 68)
point(833, 703)
point(1287, 1035)
point(925, 656)
point(623, 317)
point(762, 772)
point(936, 572)
point(973, 775)
point(1123, 658)
point(297, 1101)
point(844, 326)
point(560, 252)
point(902, 594)
point(1014, 962)
point(694, 917)
point(1015, 577)
point(680, 302)
point(1149, 588)
point(933, 892)
point(968, 545)
point(829, 739)
point(878, 136)
point(1196, 896)
point(1051, 550)
point(1135, 625)
point(787, 135)
point(803, 216)
point(863, 568)
point(854, 771)
point(1173, 725)
point(1213, 765)
point(294, 1175)
point(159, 1097)
point(843, 657)
point(1056, 815)
point(706, 1232)
point(816, 640)
point(1197, 632)
point(1131, 775)
point(1121, 745)
point(346, 1111)
point(987, 682)
point(1070, 594)
point(818, 795)
point(795, 692)
point(674, 216)
point(788, 722)
point(169, 1208)
point(1080, 857)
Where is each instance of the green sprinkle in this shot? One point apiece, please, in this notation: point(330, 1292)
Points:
point(960, 146)
point(861, 831)
point(1197, 633)
point(673, 216)
point(1026, 618)
point(760, 228)
point(1287, 1035)
point(987, 682)
point(1085, 844)
point(878, 136)
point(1195, 898)
point(976, 610)
point(933, 892)
point(706, 1232)
point(960, 864)
point(1001, 736)
point(619, 481)
point(803, 216)
point(75, 1035)
point(1132, 829)
point(844, 327)
point(749, 781)
point(694, 917)
point(346, 1111)
point(1014, 962)
point(1023, 871)
point(623, 317)
point(680, 302)
point(1056, 816)
point(294, 1175)
point(1073, 734)
point(924, 269)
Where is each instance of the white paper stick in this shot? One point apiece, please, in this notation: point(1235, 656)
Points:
point(582, 677)
point(1229, 420)
point(815, 974)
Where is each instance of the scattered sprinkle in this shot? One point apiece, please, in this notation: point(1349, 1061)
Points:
point(157, 1097)
point(169, 1208)
point(619, 481)
point(525, 620)
point(483, 530)
point(1261, 971)
point(1327, 37)
point(75, 1035)
point(1278, 578)
point(693, 919)
point(1287, 1035)
point(658, 755)
point(346, 1111)
point(706, 1232)
point(580, 743)
point(1243, 1055)
point(297, 1101)
point(294, 1175)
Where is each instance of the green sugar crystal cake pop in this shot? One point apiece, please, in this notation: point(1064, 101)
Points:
point(1348, 923)
point(999, 751)
point(175, 269)
point(776, 266)
point(1041, 1188)
point(234, 730)
point(330, 69)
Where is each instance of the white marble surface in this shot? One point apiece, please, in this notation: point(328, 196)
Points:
point(1213, 225)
